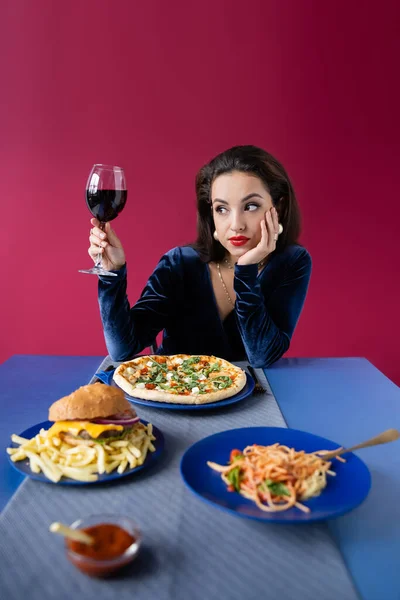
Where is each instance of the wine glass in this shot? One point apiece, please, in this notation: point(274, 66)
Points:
point(106, 195)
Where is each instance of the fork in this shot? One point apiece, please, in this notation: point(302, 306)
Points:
point(390, 435)
point(258, 388)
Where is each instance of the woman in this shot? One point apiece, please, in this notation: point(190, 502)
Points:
point(238, 291)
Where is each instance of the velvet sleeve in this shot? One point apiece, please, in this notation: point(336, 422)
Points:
point(127, 330)
point(267, 320)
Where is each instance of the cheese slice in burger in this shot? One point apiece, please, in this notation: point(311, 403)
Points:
point(94, 413)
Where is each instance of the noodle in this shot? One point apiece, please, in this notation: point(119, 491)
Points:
point(275, 477)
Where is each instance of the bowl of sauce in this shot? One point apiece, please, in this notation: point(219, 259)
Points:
point(116, 542)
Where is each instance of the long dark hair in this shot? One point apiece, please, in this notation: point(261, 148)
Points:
point(255, 161)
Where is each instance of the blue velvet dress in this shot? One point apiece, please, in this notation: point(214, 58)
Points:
point(179, 300)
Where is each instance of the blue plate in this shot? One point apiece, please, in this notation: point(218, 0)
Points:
point(23, 465)
point(342, 493)
point(107, 377)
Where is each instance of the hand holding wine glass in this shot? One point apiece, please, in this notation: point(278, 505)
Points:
point(107, 244)
point(106, 195)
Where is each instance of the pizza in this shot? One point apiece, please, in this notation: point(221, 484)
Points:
point(180, 378)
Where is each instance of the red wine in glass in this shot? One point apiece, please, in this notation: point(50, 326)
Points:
point(106, 196)
point(105, 205)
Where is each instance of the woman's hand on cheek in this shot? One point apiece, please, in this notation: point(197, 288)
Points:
point(267, 244)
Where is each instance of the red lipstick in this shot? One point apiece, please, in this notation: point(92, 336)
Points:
point(239, 240)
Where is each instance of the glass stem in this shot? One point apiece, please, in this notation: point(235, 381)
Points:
point(98, 259)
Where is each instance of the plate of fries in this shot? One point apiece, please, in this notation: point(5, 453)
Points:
point(51, 460)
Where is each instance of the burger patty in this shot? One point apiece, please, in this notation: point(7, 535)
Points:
point(84, 438)
point(87, 440)
point(106, 434)
point(111, 433)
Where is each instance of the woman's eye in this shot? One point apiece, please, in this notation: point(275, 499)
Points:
point(252, 206)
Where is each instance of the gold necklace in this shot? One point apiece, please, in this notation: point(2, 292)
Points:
point(228, 264)
point(224, 286)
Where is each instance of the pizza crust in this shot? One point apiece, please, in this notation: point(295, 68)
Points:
point(138, 363)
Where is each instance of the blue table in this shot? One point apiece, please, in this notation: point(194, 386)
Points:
point(344, 399)
point(348, 400)
point(28, 385)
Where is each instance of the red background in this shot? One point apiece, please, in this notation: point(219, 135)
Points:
point(162, 87)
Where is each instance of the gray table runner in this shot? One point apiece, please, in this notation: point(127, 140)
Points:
point(190, 549)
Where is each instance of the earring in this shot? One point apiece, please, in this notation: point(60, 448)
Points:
point(215, 235)
point(280, 229)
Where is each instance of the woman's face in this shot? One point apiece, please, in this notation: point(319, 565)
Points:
point(239, 203)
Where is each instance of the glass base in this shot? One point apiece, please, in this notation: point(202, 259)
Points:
point(98, 271)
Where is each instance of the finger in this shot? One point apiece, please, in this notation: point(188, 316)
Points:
point(271, 229)
point(112, 236)
point(95, 222)
point(264, 235)
point(94, 251)
point(269, 222)
point(98, 233)
point(95, 239)
point(275, 220)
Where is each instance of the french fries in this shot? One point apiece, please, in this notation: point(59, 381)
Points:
point(55, 458)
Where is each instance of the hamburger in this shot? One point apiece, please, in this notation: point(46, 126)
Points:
point(93, 414)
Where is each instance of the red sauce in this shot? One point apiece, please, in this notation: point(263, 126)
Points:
point(110, 542)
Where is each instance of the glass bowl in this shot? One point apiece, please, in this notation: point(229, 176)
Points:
point(100, 567)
